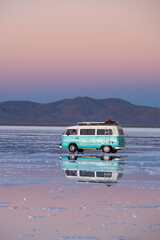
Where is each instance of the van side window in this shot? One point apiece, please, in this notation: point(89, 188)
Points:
point(84, 173)
point(101, 132)
point(104, 174)
point(87, 132)
point(104, 132)
point(121, 132)
point(109, 132)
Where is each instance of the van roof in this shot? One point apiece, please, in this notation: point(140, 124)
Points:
point(108, 123)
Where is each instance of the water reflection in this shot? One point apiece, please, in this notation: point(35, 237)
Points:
point(93, 169)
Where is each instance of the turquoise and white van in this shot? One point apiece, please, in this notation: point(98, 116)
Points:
point(107, 136)
point(92, 169)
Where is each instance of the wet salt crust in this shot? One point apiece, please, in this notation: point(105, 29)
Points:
point(38, 200)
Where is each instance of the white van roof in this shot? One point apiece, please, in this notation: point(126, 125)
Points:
point(108, 123)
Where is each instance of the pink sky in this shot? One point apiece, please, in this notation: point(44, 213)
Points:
point(84, 46)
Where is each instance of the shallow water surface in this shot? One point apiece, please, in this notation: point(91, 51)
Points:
point(47, 193)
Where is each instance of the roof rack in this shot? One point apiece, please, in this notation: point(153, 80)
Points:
point(108, 123)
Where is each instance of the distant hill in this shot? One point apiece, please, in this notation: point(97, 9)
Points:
point(71, 111)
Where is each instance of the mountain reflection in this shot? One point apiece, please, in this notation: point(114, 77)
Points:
point(93, 169)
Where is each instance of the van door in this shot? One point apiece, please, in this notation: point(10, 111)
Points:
point(87, 138)
point(71, 136)
point(102, 137)
point(108, 133)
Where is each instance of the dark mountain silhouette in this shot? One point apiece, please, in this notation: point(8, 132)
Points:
point(71, 111)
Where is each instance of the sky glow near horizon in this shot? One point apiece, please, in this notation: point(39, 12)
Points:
point(51, 50)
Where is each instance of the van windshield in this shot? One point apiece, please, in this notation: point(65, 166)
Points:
point(71, 172)
point(71, 132)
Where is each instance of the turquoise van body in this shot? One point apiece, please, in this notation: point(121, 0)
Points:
point(107, 136)
point(91, 163)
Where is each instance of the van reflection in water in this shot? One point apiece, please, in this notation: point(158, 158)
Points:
point(93, 169)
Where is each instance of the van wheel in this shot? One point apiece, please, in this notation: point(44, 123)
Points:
point(106, 149)
point(72, 148)
point(106, 158)
point(72, 158)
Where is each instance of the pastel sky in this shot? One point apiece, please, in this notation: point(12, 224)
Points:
point(56, 49)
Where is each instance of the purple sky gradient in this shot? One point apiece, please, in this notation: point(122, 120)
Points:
point(51, 50)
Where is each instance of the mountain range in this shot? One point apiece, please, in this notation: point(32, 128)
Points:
point(71, 111)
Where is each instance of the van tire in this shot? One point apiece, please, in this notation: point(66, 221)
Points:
point(72, 147)
point(72, 158)
point(106, 149)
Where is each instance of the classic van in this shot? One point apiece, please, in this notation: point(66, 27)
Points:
point(93, 169)
point(107, 136)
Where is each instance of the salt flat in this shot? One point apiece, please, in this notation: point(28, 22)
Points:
point(38, 201)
